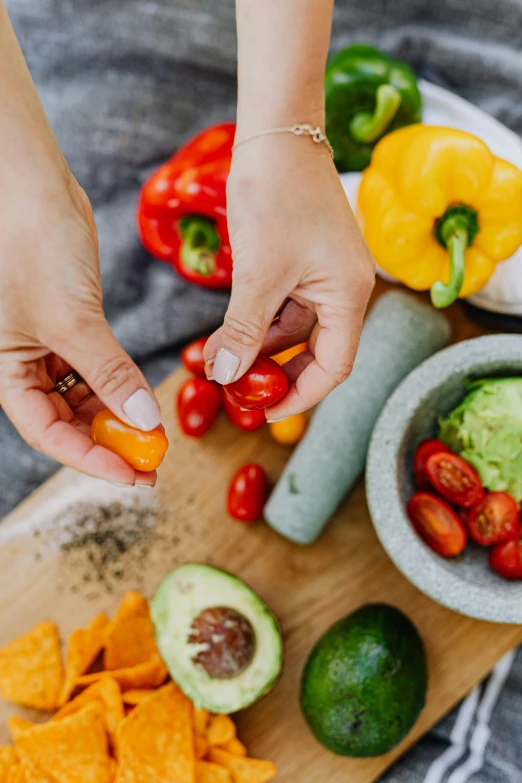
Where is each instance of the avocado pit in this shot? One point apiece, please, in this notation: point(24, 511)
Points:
point(225, 640)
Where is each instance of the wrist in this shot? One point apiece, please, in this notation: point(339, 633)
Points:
point(254, 115)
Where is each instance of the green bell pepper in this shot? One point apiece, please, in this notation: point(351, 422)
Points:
point(368, 94)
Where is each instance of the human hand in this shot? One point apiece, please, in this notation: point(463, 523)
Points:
point(51, 320)
point(298, 253)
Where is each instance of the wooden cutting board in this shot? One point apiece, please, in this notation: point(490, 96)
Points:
point(63, 559)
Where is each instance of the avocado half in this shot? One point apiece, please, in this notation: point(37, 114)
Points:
point(220, 642)
point(365, 682)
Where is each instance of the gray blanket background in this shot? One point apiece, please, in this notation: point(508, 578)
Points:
point(124, 83)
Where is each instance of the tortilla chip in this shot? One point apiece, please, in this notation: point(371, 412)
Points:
point(201, 719)
point(72, 750)
point(106, 692)
point(8, 760)
point(243, 770)
point(84, 646)
point(16, 726)
point(129, 639)
point(221, 730)
point(236, 747)
point(201, 746)
point(31, 772)
point(15, 774)
point(155, 742)
point(136, 696)
point(206, 772)
point(151, 674)
point(31, 671)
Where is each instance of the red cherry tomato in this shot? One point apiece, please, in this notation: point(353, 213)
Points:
point(454, 479)
point(494, 519)
point(247, 493)
point(506, 559)
point(198, 405)
point(141, 450)
point(192, 357)
point(264, 384)
point(425, 450)
point(245, 420)
point(437, 524)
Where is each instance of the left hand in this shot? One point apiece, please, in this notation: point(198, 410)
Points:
point(299, 254)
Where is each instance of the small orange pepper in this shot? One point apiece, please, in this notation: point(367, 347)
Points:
point(141, 450)
point(289, 431)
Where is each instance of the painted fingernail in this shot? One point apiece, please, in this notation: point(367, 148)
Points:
point(120, 484)
point(142, 410)
point(226, 366)
point(144, 483)
point(272, 421)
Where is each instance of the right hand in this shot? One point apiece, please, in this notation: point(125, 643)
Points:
point(51, 320)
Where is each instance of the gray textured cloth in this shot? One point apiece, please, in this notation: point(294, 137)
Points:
point(123, 84)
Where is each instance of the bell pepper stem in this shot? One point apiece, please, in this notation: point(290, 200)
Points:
point(199, 243)
point(442, 294)
point(366, 127)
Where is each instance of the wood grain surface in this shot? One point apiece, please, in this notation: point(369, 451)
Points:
point(46, 570)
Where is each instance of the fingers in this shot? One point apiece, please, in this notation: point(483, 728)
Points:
point(48, 425)
point(334, 343)
point(294, 326)
point(110, 372)
point(232, 349)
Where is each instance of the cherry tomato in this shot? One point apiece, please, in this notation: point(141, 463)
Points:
point(285, 356)
point(454, 479)
point(494, 519)
point(245, 420)
point(192, 357)
point(247, 493)
point(437, 524)
point(141, 450)
point(289, 431)
point(199, 401)
point(506, 559)
point(264, 384)
point(425, 450)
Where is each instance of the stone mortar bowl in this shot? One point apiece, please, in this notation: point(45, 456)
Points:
point(465, 584)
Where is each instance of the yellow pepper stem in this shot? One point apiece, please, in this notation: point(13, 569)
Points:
point(366, 127)
point(442, 294)
point(455, 231)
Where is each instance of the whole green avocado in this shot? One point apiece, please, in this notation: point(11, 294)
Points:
point(364, 684)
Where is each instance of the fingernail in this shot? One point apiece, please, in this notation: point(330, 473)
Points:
point(226, 366)
point(272, 421)
point(143, 482)
point(120, 484)
point(143, 410)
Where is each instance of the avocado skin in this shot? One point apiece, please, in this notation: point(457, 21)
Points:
point(364, 684)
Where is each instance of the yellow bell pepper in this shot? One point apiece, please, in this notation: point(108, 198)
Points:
point(439, 210)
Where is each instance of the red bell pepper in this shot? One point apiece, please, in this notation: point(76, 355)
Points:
point(182, 209)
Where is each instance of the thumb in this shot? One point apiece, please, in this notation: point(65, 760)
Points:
point(111, 374)
point(233, 348)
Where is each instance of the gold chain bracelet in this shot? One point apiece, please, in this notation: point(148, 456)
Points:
point(316, 134)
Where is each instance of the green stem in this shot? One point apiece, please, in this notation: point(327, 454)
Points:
point(454, 231)
point(199, 244)
point(366, 127)
point(442, 294)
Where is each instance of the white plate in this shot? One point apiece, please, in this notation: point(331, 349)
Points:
point(442, 107)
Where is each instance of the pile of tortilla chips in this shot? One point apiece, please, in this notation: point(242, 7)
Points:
point(116, 717)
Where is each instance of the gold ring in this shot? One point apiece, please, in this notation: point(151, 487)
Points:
point(70, 380)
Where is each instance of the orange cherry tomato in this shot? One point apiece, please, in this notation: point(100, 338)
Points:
point(289, 431)
point(141, 450)
point(284, 356)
